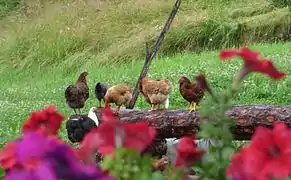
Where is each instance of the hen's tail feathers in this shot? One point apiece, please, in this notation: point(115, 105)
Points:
point(93, 116)
point(167, 102)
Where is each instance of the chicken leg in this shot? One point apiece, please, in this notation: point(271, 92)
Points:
point(99, 104)
point(193, 106)
point(75, 111)
point(154, 107)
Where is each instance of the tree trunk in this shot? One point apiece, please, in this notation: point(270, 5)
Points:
point(177, 123)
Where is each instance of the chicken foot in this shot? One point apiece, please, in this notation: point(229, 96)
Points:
point(80, 111)
point(75, 111)
point(154, 107)
point(99, 104)
point(193, 106)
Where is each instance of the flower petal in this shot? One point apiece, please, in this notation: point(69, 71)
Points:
point(8, 154)
point(32, 146)
point(228, 54)
point(139, 135)
point(268, 68)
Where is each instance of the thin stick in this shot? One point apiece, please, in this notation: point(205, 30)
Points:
point(151, 55)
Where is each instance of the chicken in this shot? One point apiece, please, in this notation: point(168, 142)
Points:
point(77, 94)
point(100, 91)
point(79, 125)
point(155, 92)
point(191, 92)
point(92, 115)
point(119, 94)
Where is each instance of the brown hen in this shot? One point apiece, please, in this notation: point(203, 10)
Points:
point(191, 92)
point(77, 94)
point(155, 92)
point(119, 95)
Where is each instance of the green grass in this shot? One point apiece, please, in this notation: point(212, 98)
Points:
point(43, 34)
point(22, 93)
point(44, 45)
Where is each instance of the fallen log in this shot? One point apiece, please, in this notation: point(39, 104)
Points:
point(177, 123)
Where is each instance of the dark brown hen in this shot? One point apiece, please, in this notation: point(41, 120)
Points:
point(191, 92)
point(77, 94)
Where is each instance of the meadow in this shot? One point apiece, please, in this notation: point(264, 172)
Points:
point(44, 45)
point(23, 94)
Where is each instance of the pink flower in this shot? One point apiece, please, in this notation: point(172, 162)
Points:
point(268, 155)
point(252, 62)
point(48, 121)
point(188, 152)
point(114, 133)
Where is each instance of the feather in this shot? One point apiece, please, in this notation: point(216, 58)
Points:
point(167, 102)
point(155, 92)
point(78, 126)
point(119, 94)
point(77, 94)
point(92, 115)
point(100, 90)
point(191, 92)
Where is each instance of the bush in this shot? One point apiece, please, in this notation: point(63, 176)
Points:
point(208, 34)
point(45, 33)
point(250, 11)
point(281, 3)
point(7, 6)
point(273, 26)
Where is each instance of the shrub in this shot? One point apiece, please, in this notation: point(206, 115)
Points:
point(7, 6)
point(281, 3)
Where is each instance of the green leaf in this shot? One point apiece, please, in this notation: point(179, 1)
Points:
point(2, 173)
point(107, 163)
point(227, 152)
point(157, 176)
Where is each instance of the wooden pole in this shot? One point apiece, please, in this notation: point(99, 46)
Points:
point(151, 55)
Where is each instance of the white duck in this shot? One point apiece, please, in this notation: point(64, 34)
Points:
point(93, 116)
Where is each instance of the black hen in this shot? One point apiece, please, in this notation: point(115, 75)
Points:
point(77, 94)
point(100, 91)
point(78, 126)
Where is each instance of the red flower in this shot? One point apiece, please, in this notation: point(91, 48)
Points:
point(48, 121)
point(7, 156)
point(113, 133)
point(268, 155)
point(252, 62)
point(188, 152)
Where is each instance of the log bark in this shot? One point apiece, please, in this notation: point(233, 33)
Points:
point(177, 123)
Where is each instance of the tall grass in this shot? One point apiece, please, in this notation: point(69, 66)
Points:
point(6, 6)
point(80, 34)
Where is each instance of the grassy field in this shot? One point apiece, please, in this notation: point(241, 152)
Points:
point(44, 45)
point(23, 93)
point(43, 34)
